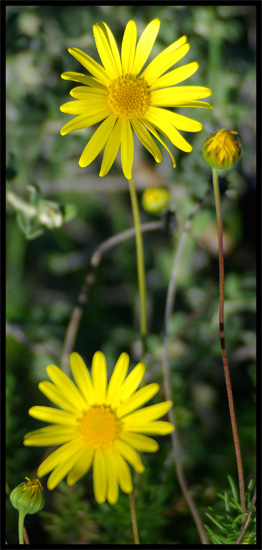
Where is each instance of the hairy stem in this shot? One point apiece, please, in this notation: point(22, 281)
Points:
point(222, 340)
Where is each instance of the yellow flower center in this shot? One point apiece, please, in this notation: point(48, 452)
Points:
point(100, 426)
point(128, 96)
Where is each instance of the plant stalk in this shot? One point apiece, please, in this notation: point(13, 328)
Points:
point(21, 519)
point(133, 517)
point(222, 339)
point(140, 267)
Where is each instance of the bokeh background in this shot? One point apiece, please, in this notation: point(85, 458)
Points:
point(45, 274)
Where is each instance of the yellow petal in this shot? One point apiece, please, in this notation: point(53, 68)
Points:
point(48, 414)
point(160, 119)
point(97, 141)
point(111, 149)
point(199, 104)
point(84, 121)
point(81, 466)
point(113, 45)
point(87, 106)
point(105, 51)
point(127, 148)
point(84, 79)
point(60, 455)
point(175, 76)
point(61, 470)
point(158, 427)
point(86, 92)
point(155, 133)
point(132, 382)
point(82, 378)
point(112, 477)
point(140, 442)
point(169, 97)
point(128, 47)
point(145, 45)
point(117, 378)
point(54, 394)
point(146, 140)
point(123, 472)
point(137, 399)
point(147, 414)
point(99, 377)
point(99, 476)
point(91, 65)
point(130, 455)
point(184, 123)
point(66, 387)
point(165, 60)
point(50, 435)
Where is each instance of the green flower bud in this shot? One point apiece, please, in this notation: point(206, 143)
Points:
point(155, 199)
point(28, 497)
point(222, 150)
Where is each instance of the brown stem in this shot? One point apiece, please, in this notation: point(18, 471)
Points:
point(222, 341)
point(26, 536)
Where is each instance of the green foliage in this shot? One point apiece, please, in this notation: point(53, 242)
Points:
point(71, 521)
point(229, 523)
point(45, 274)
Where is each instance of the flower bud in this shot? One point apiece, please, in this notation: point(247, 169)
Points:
point(155, 199)
point(222, 150)
point(28, 497)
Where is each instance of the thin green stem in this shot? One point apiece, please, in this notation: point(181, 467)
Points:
point(222, 339)
point(21, 519)
point(20, 204)
point(140, 266)
point(133, 517)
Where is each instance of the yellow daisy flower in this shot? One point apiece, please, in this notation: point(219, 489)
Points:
point(128, 100)
point(98, 424)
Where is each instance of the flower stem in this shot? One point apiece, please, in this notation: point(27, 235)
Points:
point(140, 266)
point(21, 519)
point(133, 517)
point(222, 339)
point(20, 205)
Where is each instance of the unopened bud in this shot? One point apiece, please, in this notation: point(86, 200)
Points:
point(222, 150)
point(28, 497)
point(155, 199)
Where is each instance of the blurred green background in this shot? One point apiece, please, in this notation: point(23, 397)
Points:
point(44, 275)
